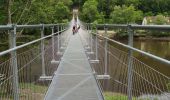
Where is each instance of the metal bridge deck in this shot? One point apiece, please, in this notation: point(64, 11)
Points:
point(74, 79)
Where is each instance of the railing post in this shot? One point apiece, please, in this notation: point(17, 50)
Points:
point(105, 50)
point(91, 39)
point(53, 49)
point(62, 39)
point(58, 39)
point(130, 62)
point(12, 38)
point(42, 51)
point(89, 35)
point(96, 44)
point(96, 60)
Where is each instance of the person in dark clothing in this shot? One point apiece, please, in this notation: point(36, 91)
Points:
point(74, 29)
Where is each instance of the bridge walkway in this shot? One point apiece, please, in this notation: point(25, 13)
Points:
point(74, 78)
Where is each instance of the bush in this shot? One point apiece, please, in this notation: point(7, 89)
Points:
point(124, 15)
point(160, 20)
point(159, 33)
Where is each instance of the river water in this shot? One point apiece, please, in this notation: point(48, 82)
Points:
point(158, 48)
point(145, 79)
point(155, 47)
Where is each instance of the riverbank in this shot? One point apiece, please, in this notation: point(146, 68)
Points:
point(154, 38)
point(142, 37)
point(115, 96)
point(118, 96)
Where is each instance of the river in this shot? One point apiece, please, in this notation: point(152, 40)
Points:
point(155, 47)
point(145, 79)
point(158, 48)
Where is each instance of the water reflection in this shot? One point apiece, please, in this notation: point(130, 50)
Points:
point(158, 48)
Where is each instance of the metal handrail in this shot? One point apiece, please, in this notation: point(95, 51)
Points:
point(134, 26)
point(136, 50)
point(13, 26)
point(10, 26)
point(29, 43)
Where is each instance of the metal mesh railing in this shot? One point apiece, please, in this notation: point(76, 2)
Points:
point(29, 72)
point(34, 71)
point(146, 83)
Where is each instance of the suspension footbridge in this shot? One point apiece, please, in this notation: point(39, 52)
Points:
point(74, 79)
point(84, 66)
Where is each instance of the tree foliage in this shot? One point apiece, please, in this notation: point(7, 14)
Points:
point(61, 11)
point(160, 20)
point(147, 7)
point(90, 12)
point(48, 11)
point(34, 11)
point(2, 12)
point(124, 14)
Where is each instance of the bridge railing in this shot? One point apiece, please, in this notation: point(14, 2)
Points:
point(26, 69)
point(123, 76)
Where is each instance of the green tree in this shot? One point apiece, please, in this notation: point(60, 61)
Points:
point(106, 6)
point(90, 12)
point(135, 3)
point(155, 6)
point(61, 11)
point(124, 15)
point(32, 11)
point(2, 12)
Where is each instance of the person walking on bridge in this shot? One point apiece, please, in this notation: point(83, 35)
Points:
point(74, 29)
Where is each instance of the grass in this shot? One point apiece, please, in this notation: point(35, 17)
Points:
point(116, 96)
point(27, 90)
point(33, 87)
point(32, 91)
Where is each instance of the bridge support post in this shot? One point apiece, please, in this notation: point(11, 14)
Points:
point(91, 40)
point(58, 42)
point(42, 51)
point(130, 62)
point(96, 47)
point(62, 39)
point(53, 42)
point(53, 48)
point(14, 65)
point(105, 50)
point(63, 46)
point(96, 43)
point(88, 40)
point(89, 35)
